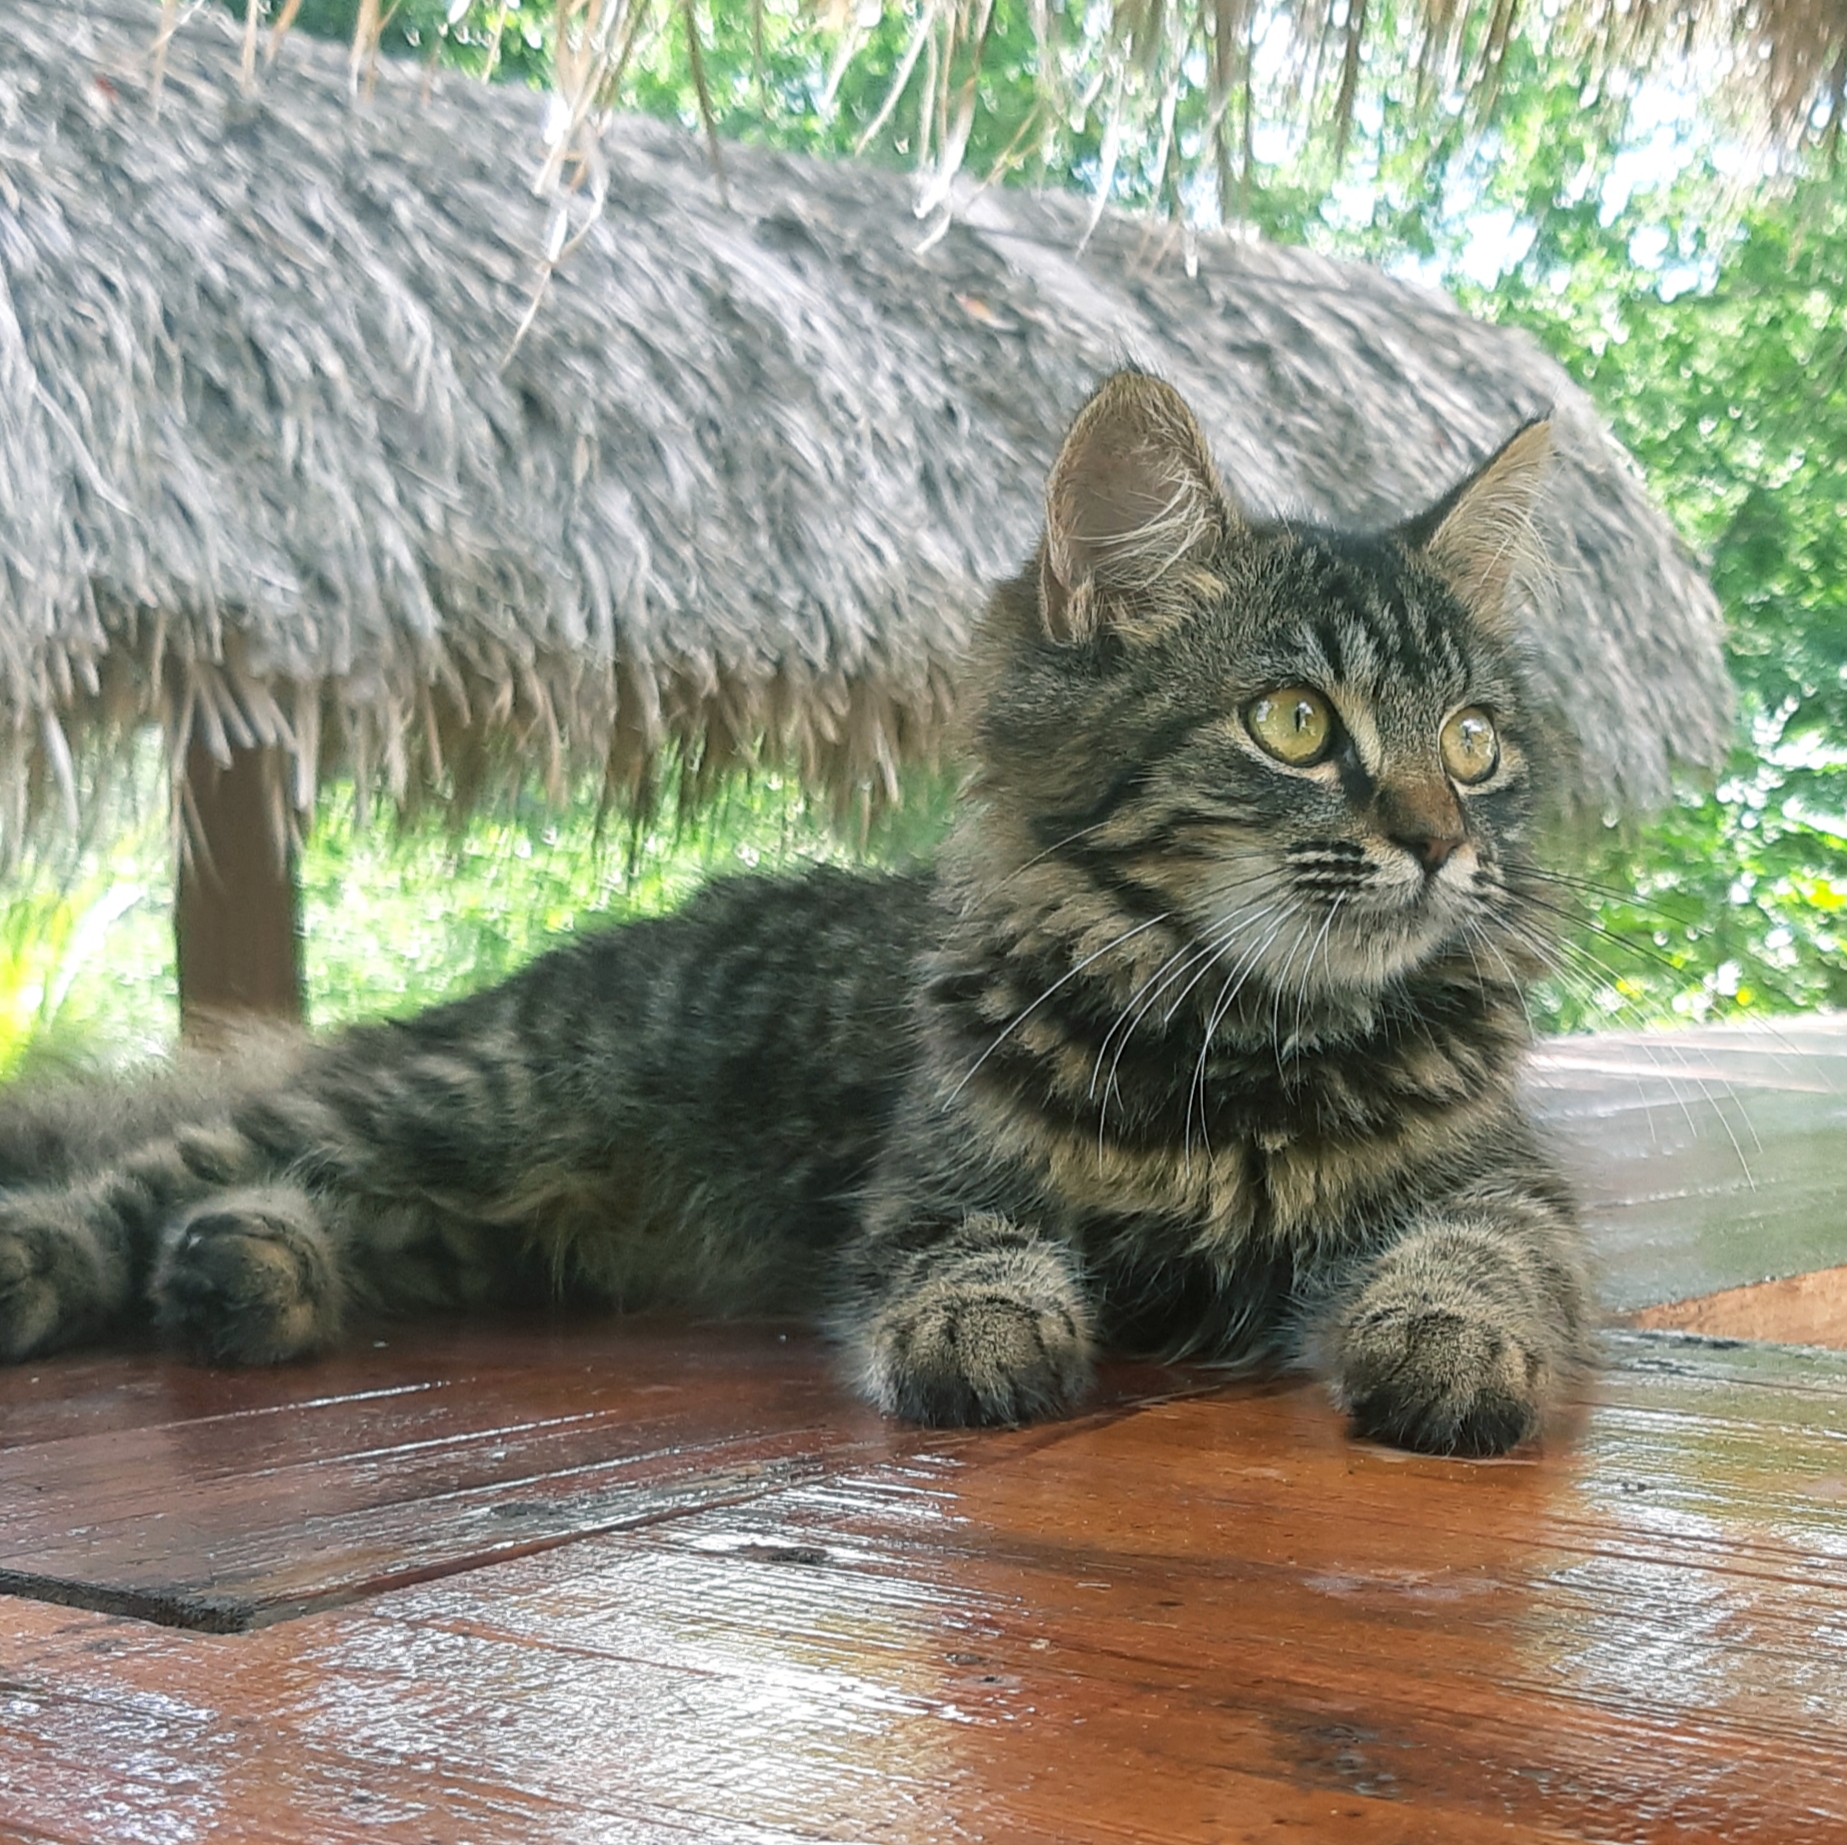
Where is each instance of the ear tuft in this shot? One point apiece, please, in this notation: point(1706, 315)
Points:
point(1132, 498)
point(1480, 536)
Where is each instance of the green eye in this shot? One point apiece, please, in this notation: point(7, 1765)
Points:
point(1471, 750)
point(1294, 724)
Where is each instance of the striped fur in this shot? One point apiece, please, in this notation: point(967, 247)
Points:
point(1181, 1049)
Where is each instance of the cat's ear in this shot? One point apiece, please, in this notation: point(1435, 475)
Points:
point(1479, 537)
point(1132, 498)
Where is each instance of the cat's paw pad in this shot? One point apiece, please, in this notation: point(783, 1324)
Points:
point(974, 1359)
point(51, 1287)
point(248, 1279)
point(1438, 1379)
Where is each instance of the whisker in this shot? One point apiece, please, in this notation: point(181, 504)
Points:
point(1224, 935)
point(1766, 974)
point(1020, 1017)
point(1282, 986)
point(1656, 1047)
point(1240, 974)
point(1301, 998)
point(1039, 858)
point(1219, 946)
point(1133, 1013)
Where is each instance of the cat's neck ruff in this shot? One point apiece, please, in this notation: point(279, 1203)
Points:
point(1049, 942)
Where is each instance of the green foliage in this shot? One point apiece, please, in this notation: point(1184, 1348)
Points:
point(1700, 300)
point(1235, 111)
point(86, 949)
point(399, 918)
point(1717, 346)
point(394, 918)
point(483, 38)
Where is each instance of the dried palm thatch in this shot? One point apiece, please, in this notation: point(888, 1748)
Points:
point(1187, 82)
point(277, 465)
point(1178, 91)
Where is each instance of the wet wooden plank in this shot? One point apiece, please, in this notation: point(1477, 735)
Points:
point(1707, 1159)
point(224, 1500)
point(221, 1500)
point(1796, 1310)
point(1210, 1618)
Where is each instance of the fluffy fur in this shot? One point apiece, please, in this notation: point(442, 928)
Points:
point(1183, 1049)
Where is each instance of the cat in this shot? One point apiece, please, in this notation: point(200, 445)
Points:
point(1202, 1040)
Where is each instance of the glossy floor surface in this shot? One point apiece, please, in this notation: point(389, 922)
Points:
point(1793, 1310)
point(1706, 1159)
point(653, 1584)
point(526, 1582)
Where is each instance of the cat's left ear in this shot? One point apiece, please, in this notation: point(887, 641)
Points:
point(1479, 537)
point(1133, 498)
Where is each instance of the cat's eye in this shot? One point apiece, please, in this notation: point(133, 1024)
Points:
point(1471, 750)
point(1294, 724)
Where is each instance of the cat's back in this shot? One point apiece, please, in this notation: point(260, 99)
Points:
point(736, 1063)
point(756, 981)
point(814, 965)
point(755, 1044)
point(60, 1126)
point(733, 1065)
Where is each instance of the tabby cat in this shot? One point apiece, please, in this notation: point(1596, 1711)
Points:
point(1202, 1041)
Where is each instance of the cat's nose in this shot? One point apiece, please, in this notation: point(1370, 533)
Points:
point(1425, 820)
point(1431, 850)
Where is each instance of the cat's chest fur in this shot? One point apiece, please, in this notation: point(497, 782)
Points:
point(1195, 1127)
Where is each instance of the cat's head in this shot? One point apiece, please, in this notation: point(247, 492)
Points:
point(1311, 747)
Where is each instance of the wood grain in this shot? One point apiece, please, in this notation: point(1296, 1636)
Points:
point(1796, 1310)
point(1209, 1618)
point(635, 1581)
point(222, 1500)
point(225, 1500)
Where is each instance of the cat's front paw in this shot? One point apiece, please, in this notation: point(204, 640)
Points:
point(995, 1337)
point(1441, 1379)
point(979, 1361)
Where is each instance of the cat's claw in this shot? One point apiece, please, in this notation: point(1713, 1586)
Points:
point(1438, 1380)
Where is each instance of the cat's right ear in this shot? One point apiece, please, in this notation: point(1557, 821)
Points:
point(1132, 498)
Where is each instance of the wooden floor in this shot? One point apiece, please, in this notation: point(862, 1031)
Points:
point(1185, 1617)
point(1706, 1159)
point(528, 1582)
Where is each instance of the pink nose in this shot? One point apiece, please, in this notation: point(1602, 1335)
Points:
point(1432, 851)
point(1425, 820)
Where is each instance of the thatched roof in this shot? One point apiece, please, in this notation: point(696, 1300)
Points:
point(273, 466)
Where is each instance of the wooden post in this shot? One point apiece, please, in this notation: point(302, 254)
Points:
point(237, 919)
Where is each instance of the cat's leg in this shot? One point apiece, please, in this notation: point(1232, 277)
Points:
point(67, 1271)
point(1458, 1336)
point(967, 1322)
point(240, 1264)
